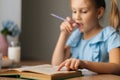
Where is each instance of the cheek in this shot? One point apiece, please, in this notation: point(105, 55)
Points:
point(73, 16)
point(86, 20)
point(90, 19)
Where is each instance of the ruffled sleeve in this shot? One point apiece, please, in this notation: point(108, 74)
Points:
point(74, 38)
point(114, 41)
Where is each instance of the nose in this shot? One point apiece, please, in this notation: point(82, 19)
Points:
point(78, 16)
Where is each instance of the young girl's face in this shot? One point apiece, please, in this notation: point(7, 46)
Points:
point(85, 13)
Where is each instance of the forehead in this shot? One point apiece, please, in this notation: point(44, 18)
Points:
point(81, 3)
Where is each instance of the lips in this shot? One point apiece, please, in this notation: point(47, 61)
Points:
point(79, 25)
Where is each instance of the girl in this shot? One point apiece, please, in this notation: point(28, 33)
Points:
point(90, 46)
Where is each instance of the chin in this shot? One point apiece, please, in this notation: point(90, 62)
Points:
point(81, 30)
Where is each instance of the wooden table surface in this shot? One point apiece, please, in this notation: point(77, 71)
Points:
point(87, 75)
point(98, 77)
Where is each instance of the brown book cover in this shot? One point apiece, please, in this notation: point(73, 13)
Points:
point(43, 72)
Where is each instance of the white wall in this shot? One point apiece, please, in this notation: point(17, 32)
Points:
point(10, 10)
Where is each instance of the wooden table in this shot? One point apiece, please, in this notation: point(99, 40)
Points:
point(87, 75)
point(98, 77)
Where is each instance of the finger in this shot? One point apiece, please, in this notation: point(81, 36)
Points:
point(67, 64)
point(74, 25)
point(73, 61)
point(77, 64)
point(69, 19)
point(68, 68)
point(61, 66)
point(65, 26)
point(68, 27)
point(62, 26)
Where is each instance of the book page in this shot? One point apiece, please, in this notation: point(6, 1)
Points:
point(44, 69)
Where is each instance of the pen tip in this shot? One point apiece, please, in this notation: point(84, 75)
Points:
point(52, 14)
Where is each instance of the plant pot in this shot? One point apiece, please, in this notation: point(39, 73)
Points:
point(3, 45)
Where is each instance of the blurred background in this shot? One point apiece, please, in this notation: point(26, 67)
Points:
point(40, 31)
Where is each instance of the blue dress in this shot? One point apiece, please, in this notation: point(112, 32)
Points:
point(95, 49)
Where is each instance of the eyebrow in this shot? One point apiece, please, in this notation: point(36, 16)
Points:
point(80, 8)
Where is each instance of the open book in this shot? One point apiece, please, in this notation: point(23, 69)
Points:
point(43, 72)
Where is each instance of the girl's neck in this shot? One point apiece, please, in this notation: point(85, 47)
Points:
point(92, 33)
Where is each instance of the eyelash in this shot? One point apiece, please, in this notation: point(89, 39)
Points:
point(80, 11)
point(73, 11)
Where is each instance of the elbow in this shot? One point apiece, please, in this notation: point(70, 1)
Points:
point(112, 69)
point(116, 70)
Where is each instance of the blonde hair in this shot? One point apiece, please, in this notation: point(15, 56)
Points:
point(115, 15)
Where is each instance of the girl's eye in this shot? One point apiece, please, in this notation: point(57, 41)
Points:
point(74, 11)
point(84, 11)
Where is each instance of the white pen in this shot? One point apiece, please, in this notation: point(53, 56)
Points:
point(61, 18)
point(58, 17)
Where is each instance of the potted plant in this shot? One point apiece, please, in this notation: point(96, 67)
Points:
point(9, 28)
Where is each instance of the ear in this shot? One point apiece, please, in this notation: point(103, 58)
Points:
point(100, 12)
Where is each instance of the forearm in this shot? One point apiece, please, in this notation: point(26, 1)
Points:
point(59, 52)
point(101, 67)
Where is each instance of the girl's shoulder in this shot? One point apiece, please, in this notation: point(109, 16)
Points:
point(106, 33)
point(109, 31)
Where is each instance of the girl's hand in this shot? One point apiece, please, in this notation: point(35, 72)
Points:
point(71, 64)
point(67, 26)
